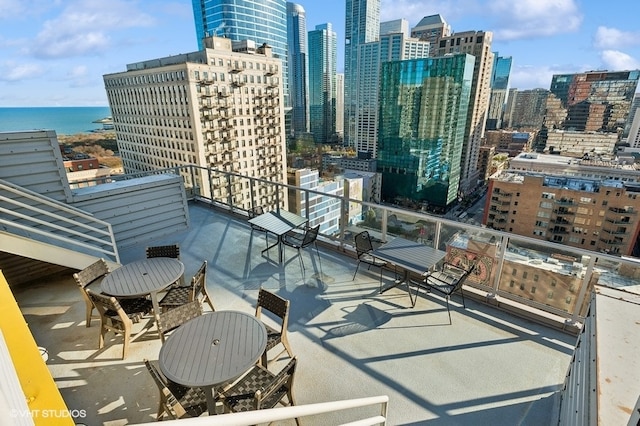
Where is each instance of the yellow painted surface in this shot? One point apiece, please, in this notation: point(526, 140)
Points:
point(42, 395)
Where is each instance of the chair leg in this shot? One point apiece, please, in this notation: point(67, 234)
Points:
point(356, 272)
point(448, 311)
point(125, 346)
point(285, 342)
point(462, 294)
point(89, 312)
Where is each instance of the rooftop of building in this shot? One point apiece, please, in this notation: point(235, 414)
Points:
point(605, 162)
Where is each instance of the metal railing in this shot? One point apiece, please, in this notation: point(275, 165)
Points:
point(291, 412)
point(552, 277)
point(26, 213)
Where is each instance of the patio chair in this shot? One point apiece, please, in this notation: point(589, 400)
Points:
point(257, 211)
point(447, 281)
point(279, 309)
point(172, 250)
point(173, 318)
point(300, 241)
point(120, 318)
point(176, 401)
point(364, 247)
point(197, 290)
point(260, 389)
point(92, 275)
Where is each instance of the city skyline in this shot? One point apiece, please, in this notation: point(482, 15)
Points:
point(55, 53)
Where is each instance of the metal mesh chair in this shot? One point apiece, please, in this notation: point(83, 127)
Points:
point(173, 318)
point(364, 247)
point(279, 308)
point(176, 401)
point(448, 280)
point(92, 275)
point(300, 241)
point(260, 388)
point(120, 318)
point(197, 290)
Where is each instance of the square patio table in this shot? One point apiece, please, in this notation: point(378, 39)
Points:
point(278, 223)
point(410, 256)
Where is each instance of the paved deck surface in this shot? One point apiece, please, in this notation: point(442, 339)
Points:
point(488, 367)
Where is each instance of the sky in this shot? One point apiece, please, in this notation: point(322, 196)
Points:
point(55, 52)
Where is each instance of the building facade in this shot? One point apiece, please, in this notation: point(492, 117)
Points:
point(340, 105)
point(499, 90)
point(431, 28)
point(263, 21)
point(322, 83)
point(580, 144)
point(478, 44)
point(362, 25)
point(526, 109)
point(392, 46)
point(592, 214)
point(215, 108)
point(423, 114)
point(298, 68)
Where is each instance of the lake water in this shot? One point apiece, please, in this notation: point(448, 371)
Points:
point(64, 120)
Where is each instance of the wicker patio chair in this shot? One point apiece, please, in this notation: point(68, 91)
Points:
point(120, 318)
point(92, 275)
point(172, 251)
point(176, 401)
point(364, 247)
point(279, 313)
point(197, 290)
point(173, 318)
point(261, 389)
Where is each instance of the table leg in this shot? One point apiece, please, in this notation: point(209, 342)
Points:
point(211, 401)
point(405, 280)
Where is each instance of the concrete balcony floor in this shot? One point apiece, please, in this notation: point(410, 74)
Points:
point(488, 367)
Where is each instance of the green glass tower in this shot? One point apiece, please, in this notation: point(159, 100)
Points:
point(423, 111)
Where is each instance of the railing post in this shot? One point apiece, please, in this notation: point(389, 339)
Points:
point(210, 177)
point(383, 225)
point(306, 204)
point(251, 199)
point(277, 197)
point(229, 192)
point(344, 208)
point(436, 238)
point(583, 290)
point(496, 280)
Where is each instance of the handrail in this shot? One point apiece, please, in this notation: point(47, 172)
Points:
point(247, 418)
point(84, 231)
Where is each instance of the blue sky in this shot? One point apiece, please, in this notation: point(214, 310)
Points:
point(55, 52)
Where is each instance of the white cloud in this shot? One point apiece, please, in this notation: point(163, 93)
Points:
point(414, 11)
point(525, 77)
point(84, 26)
point(12, 71)
point(618, 61)
point(608, 38)
point(533, 18)
point(11, 8)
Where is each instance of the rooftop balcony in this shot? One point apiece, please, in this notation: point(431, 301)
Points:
point(503, 360)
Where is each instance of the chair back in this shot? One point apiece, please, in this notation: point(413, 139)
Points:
point(310, 236)
point(199, 282)
point(172, 251)
point(363, 243)
point(256, 211)
point(173, 318)
point(168, 401)
point(283, 379)
point(108, 306)
point(274, 304)
point(91, 273)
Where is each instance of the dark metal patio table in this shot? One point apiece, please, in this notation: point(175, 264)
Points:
point(410, 256)
point(278, 223)
point(143, 277)
point(213, 349)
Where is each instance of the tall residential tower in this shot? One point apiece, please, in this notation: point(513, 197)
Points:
point(322, 83)
point(297, 60)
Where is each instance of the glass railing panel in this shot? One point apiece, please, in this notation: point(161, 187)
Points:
point(624, 274)
point(548, 276)
point(372, 218)
point(412, 227)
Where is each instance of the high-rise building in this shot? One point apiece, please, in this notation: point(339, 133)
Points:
point(526, 109)
point(263, 21)
point(340, 105)
point(297, 60)
point(362, 25)
point(431, 28)
point(214, 108)
point(478, 44)
point(322, 83)
point(499, 90)
point(595, 100)
point(424, 105)
point(635, 105)
point(392, 46)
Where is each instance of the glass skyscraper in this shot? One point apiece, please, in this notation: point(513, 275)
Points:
point(263, 21)
point(423, 112)
point(298, 83)
point(362, 25)
point(499, 90)
point(322, 83)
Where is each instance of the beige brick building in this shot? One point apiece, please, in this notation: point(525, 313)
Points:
point(220, 107)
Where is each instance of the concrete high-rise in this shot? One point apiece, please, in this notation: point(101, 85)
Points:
point(322, 83)
point(499, 90)
point(362, 25)
point(215, 108)
point(340, 105)
point(526, 109)
point(394, 45)
point(424, 105)
point(298, 68)
point(263, 21)
point(431, 28)
point(478, 44)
